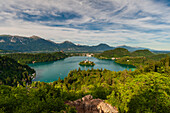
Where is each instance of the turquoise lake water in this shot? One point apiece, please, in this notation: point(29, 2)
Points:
point(51, 71)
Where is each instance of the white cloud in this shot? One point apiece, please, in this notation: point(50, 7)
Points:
point(121, 21)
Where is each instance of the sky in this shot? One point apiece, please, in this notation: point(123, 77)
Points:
point(138, 23)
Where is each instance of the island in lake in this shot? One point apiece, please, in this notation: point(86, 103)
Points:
point(86, 63)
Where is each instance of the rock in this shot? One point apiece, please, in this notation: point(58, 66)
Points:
point(89, 105)
point(106, 108)
point(77, 102)
point(87, 97)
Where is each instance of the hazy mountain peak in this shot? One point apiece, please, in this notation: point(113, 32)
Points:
point(67, 42)
point(123, 46)
point(35, 37)
point(102, 44)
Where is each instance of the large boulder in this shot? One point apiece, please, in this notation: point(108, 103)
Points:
point(89, 105)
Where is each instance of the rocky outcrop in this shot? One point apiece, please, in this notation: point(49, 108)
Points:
point(106, 108)
point(89, 105)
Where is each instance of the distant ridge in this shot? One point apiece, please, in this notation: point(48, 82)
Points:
point(129, 48)
point(38, 44)
point(26, 44)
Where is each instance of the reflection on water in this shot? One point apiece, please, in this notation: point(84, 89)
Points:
point(51, 71)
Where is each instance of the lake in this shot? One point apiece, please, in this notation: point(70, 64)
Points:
point(51, 71)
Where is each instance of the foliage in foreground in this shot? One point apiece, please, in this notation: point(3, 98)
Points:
point(146, 93)
point(44, 98)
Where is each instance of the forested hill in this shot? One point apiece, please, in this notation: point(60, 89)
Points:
point(13, 73)
point(142, 53)
point(118, 52)
point(37, 57)
point(122, 52)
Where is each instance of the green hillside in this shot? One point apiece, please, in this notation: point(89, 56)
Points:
point(139, 61)
point(36, 57)
point(157, 57)
point(142, 53)
point(13, 73)
point(121, 52)
point(118, 52)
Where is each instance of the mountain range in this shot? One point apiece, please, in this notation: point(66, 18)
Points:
point(37, 44)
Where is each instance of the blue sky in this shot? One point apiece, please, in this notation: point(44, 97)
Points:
point(142, 23)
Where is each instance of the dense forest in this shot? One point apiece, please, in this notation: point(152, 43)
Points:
point(145, 90)
point(38, 97)
point(118, 52)
point(13, 73)
point(142, 53)
point(36, 57)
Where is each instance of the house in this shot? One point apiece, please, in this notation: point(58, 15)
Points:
point(113, 58)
